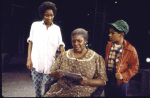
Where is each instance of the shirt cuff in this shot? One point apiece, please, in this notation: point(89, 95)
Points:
point(29, 39)
point(61, 44)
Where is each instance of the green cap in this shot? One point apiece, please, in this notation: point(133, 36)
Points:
point(121, 25)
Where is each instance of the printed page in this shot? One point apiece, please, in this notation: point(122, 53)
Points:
point(72, 75)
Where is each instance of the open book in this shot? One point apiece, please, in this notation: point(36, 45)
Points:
point(75, 76)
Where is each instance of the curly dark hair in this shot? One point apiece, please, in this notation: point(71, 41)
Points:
point(47, 5)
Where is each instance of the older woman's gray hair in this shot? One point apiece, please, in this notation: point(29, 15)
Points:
point(82, 32)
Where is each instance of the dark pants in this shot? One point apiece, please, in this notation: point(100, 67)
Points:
point(113, 89)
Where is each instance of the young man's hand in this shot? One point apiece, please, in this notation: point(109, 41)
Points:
point(119, 76)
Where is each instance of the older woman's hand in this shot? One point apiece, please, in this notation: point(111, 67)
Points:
point(57, 75)
point(84, 81)
point(92, 82)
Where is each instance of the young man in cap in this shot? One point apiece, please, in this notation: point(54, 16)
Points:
point(121, 60)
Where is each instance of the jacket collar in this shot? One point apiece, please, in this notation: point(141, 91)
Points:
point(127, 45)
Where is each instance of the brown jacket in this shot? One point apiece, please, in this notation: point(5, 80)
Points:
point(128, 62)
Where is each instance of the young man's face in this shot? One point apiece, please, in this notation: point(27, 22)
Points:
point(48, 16)
point(114, 36)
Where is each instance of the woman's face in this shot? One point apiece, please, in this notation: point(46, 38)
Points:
point(48, 16)
point(78, 43)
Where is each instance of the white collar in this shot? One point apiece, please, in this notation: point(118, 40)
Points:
point(117, 45)
point(88, 55)
point(44, 23)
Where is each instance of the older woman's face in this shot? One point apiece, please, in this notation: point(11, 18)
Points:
point(48, 16)
point(78, 43)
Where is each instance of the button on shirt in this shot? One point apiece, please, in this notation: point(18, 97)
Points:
point(45, 44)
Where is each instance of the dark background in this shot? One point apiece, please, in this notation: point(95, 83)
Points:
point(18, 15)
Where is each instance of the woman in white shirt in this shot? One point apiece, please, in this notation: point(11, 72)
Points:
point(44, 40)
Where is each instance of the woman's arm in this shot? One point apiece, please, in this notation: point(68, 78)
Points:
point(61, 48)
point(100, 76)
point(92, 82)
point(54, 73)
point(29, 62)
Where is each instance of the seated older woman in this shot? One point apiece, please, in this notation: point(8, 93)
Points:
point(80, 60)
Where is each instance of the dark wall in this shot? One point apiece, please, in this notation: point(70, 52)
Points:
point(73, 14)
point(12, 24)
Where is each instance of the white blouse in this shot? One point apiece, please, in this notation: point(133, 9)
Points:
point(45, 43)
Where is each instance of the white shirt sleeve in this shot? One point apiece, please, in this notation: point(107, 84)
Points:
point(30, 38)
point(60, 42)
